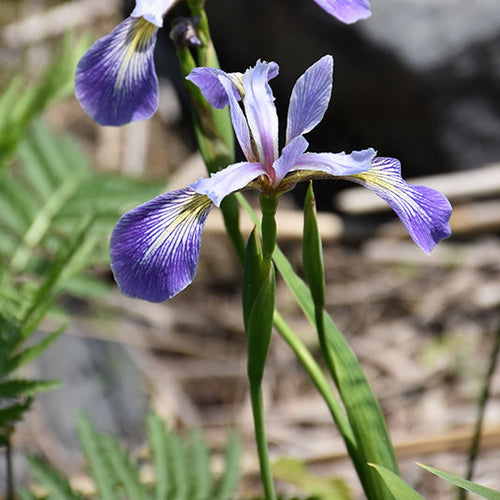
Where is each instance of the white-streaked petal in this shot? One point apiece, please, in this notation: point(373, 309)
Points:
point(239, 122)
point(208, 80)
point(154, 248)
point(115, 80)
point(288, 158)
point(261, 112)
point(423, 211)
point(152, 10)
point(310, 98)
point(337, 163)
point(227, 181)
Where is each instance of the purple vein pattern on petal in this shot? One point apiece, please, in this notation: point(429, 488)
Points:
point(232, 178)
point(152, 10)
point(347, 11)
point(261, 112)
point(115, 80)
point(288, 158)
point(310, 98)
point(337, 163)
point(239, 122)
point(423, 211)
point(208, 80)
point(155, 247)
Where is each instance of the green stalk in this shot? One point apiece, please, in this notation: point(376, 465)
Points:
point(261, 440)
point(258, 311)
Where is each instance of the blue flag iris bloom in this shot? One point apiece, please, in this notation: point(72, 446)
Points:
point(155, 247)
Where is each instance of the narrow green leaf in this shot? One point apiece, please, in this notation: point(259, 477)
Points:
point(312, 251)
point(51, 284)
point(158, 442)
point(372, 441)
point(259, 327)
point(18, 388)
point(231, 477)
point(254, 274)
point(178, 467)
point(126, 473)
point(13, 413)
point(199, 459)
point(482, 491)
point(397, 486)
point(56, 485)
point(362, 408)
point(30, 353)
point(99, 467)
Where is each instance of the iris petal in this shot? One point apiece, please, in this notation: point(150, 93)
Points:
point(347, 11)
point(239, 122)
point(310, 98)
point(115, 81)
point(424, 211)
point(152, 10)
point(232, 178)
point(337, 164)
point(208, 80)
point(261, 112)
point(155, 247)
point(288, 158)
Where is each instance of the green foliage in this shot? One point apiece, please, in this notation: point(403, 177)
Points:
point(396, 485)
point(56, 215)
point(482, 491)
point(20, 103)
point(182, 468)
point(295, 472)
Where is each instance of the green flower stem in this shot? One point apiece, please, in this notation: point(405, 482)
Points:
point(261, 440)
point(318, 379)
point(259, 307)
point(213, 129)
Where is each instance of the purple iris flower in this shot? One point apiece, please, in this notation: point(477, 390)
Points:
point(155, 247)
point(347, 11)
point(115, 80)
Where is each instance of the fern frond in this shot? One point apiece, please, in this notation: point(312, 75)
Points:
point(55, 484)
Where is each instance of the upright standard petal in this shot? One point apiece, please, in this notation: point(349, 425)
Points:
point(152, 10)
point(155, 247)
point(232, 178)
point(288, 158)
point(347, 11)
point(115, 81)
point(208, 80)
point(261, 112)
point(424, 211)
point(310, 98)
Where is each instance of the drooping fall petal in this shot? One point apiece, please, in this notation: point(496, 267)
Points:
point(155, 247)
point(423, 211)
point(115, 80)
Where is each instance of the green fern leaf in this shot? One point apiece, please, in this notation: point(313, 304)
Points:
point(231, 476)
point(100, 469)
point(56, 485)
point(201, 476)
point(126, 473)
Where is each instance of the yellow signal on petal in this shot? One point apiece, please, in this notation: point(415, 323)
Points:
point(141, 34)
